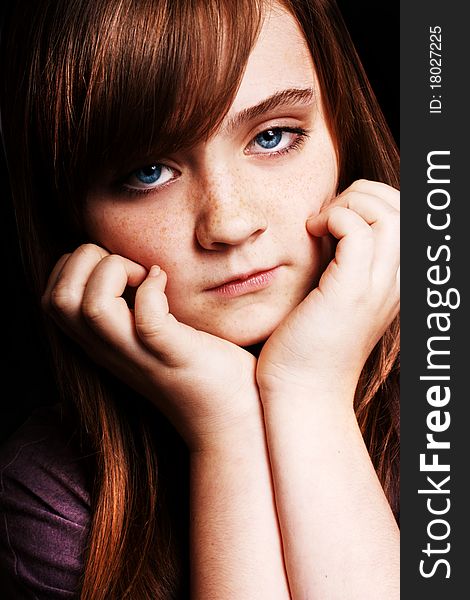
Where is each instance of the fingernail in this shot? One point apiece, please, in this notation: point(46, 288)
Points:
point(154, 271)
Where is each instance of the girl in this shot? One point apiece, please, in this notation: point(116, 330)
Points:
point(206, 198)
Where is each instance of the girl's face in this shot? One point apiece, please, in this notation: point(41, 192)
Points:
point(226, 218)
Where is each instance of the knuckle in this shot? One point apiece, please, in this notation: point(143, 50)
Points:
point(94, 311)
point(337, 211)
point(87, 247)
point(354, 199)
point(90, 252)
point(358, 184)
point(64, 299)
point(148, 328)
point(111, 262)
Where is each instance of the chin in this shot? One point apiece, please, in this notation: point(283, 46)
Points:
point(247, 339)
point(247, 333)
point(248, 325)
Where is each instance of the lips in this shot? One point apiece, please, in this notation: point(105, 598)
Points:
point(246, 283)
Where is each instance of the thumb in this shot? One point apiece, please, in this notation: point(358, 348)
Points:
point(168, 339)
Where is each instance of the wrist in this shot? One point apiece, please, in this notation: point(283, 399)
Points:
point(230, 436)
point(329, 391)
point(329, 419)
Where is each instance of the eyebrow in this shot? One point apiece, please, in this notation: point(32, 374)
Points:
point(289, 97)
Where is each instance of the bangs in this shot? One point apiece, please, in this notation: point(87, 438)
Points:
point(128, 79)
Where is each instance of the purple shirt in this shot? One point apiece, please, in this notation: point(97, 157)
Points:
point(44, 510)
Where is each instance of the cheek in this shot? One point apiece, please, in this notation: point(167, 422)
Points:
point(311, 184)
point(301, 190)
point(142, 234)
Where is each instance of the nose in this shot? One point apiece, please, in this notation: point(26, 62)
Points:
point(229, 216)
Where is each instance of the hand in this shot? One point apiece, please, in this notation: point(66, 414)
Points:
point(325, 341)
point(205, 385)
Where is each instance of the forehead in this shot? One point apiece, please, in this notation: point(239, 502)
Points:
point(279, 60)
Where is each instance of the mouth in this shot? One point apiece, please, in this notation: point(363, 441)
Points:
point(245, 283)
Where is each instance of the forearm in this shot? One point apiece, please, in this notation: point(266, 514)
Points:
point(339, 534)
point(236, 549)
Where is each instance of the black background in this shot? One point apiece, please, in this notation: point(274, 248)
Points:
point(375, 29)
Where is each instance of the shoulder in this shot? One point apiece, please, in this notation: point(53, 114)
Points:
point(44, 508)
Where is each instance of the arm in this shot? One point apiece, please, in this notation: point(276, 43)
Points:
point(340, 536)
point(236, 548)
point(206, 386)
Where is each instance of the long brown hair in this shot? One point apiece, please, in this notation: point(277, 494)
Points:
point(86, 86)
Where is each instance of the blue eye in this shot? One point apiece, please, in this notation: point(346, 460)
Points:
point(269, 139)
point(277, 141)
point(149, 175)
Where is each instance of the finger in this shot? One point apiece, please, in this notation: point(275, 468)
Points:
point(52, 280)
point(64, 295)
point(379, 205)
point(380, 252)
point(355, 249)
point(376, 188)
point(171, 341)
point(387, 246)
point(373, 209)
point(103, 307)
point(337, 220)
point(385, 222)
point(376, 212)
